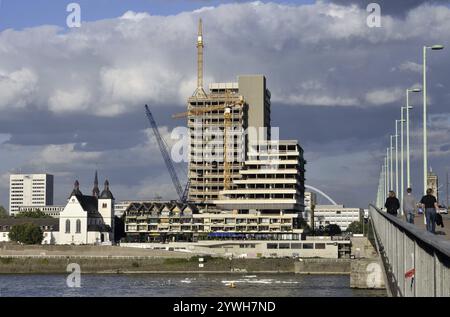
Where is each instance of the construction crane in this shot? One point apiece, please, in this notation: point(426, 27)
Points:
point(182, 193)
point(227, 108)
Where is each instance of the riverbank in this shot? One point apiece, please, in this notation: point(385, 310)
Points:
point(16, 259)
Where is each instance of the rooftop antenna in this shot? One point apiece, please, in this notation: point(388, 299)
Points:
point(200, 92)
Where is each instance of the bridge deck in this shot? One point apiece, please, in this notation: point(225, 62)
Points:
point(443, 232)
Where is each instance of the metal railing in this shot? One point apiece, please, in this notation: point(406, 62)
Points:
point(417, 263)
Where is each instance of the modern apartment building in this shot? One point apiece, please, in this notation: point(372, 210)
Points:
point(173, 221)
point(33, 190)
point(271, 181)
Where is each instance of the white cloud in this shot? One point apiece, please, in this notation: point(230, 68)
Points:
point(411, 66)
point(17, 88)
point(112, 66)
point(384, 96)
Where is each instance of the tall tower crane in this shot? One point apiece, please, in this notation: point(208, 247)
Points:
point(182, 194)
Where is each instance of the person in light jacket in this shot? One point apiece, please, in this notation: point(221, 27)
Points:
point(409, 206)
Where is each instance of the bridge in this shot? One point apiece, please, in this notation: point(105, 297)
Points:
point(415, 262)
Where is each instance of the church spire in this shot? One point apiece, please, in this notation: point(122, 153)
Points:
point(96, 190)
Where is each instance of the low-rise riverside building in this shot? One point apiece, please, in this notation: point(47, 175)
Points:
point(174, 221)
point(240, 248)
point(49, 227)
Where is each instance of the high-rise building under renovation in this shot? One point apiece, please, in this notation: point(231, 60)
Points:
point(236, 162)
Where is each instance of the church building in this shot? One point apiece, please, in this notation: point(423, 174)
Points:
point(88, 219)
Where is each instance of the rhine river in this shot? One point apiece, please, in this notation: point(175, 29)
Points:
point(179, 285)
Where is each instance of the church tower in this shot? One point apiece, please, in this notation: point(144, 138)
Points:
point(106, 208)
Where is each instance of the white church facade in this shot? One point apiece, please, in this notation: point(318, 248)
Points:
point(87, 219)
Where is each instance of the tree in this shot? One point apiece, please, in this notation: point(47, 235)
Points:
point(26, 233)
point(332, 230)
point(32, 214)
point(302, 224)
point(3, 212)
point(355, 227)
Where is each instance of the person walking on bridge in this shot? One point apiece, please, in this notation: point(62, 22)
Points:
point(392, 204)
point(409, 206)
point(430, 205)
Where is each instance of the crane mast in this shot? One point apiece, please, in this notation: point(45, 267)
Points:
point(182, 193)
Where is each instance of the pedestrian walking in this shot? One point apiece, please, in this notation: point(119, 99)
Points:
point(430, 205)
point(392, 204)
point(409, 206)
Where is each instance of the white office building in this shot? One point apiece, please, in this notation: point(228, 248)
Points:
point(32, 190)
point(325, 215)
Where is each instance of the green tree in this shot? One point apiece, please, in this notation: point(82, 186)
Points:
point(355, 227)
point(3, 212)
point(332, 230)
point(26, 233)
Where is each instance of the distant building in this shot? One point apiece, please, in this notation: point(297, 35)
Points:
point(325, 215)
point(52, 211)
point(34, 190)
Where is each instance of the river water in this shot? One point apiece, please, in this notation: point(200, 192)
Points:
point(179, 285)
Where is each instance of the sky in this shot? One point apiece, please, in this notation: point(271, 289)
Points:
point(71, 100)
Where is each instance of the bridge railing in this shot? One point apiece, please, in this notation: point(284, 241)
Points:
point(417, 263)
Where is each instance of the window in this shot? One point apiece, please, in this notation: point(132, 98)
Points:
point(105, 205)
point(272, 245)
point(78, 226)
point(284, 245)
point(320, 245)
point(67, 226)
point(308, 245)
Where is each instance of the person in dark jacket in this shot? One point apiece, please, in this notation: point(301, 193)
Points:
point(430, 205)
point(392, 204)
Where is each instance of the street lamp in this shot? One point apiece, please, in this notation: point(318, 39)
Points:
point(408, 165)
point(392, 164)
point(425, 146)
point(400, 194)
point(387, 170)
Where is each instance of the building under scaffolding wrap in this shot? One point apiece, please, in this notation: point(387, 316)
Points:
point(230, 133)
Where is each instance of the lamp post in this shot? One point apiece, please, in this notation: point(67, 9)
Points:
point(391, 172)
point(399, 193)
point(396, 155)
point(386, 160)
point(425, 145)
point(408, 165)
